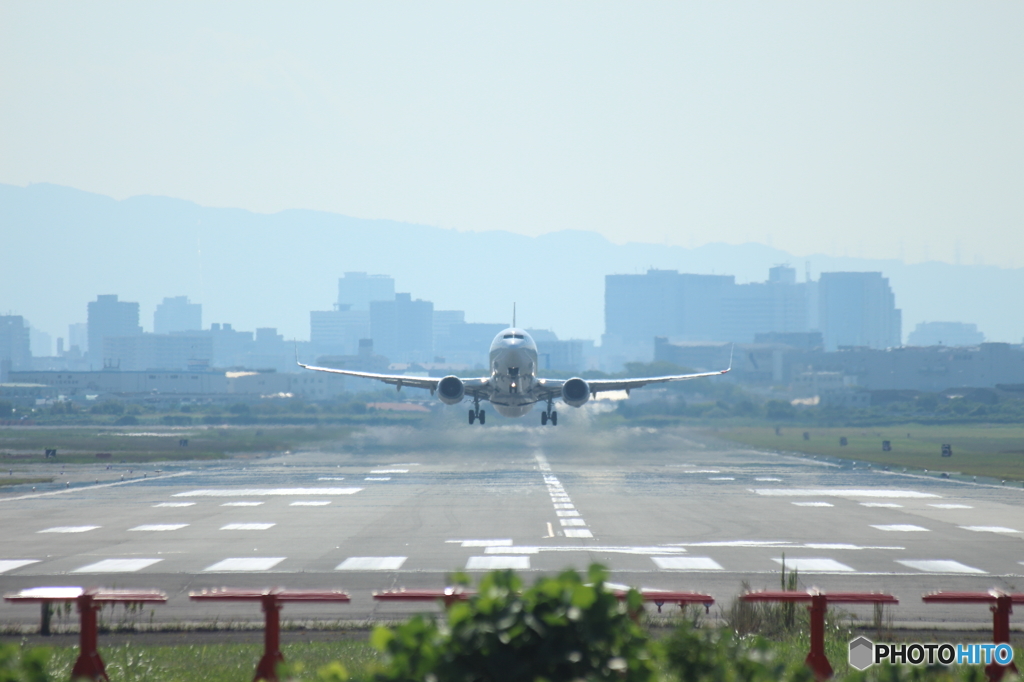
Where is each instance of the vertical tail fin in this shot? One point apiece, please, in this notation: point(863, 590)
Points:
point(513, 314)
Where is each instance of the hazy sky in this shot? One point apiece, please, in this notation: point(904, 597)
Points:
point(874, 129)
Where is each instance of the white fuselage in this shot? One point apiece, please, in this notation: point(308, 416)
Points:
point(513, 365)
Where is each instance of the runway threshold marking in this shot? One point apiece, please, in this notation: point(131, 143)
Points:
point(12, 564)
point(686, 563)
point(939, 566)
point(815, 565)
point(843, 492)
point(371, 563)
point(68, 529)
point(990, 529)
point(262, 492)
point(900, 528)
point(244, 564)
point(491, 563)
point(117, 566)
point(156, 527)
point(248, 526)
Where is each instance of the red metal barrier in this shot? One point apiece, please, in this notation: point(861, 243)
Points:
point(816, 659)
point(448, 595)
point(272, 599)
point(89, 664)
point(662, 597)
point(1002, 606)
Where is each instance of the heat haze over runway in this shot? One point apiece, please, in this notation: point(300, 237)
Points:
point(670, 510)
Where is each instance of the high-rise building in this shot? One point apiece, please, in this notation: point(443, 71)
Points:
point(15, 345)
point(177, 315)
point(109, 317)
point(78, 335)
point(858, 309)
point(357, 290)
point(403, 329)
point(337, 332)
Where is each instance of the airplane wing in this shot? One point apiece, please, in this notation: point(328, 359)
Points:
point(553, 387)
point(473, 386)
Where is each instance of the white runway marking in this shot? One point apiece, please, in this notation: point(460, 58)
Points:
point(831, 545)
point(842, 492)
point(951, 506)
point(241, 504)
point(686, 563)
point(572, 522)
point(816, 565)
point(175, 504)
point(331, 478)
point(248, 526)
point(245, 564)
point(93, 487)
point(813, 504)
point(12, 564)
point(159, 526)
point(939, 566)
point(483, 543)
point(886, 505)
point(578, 533)
point(69, 529)
point(117, 566)
point(490, 563)
point(561, 505)
point(371, 563)
point(262, 492)
point(766, 479)
point(721, 478)
point(511, 550)
point(901, 528)
point(990, 529)
point(310, 503)
point(377, 478)
point(390, 471)
point(566, 513)
point(701, 471)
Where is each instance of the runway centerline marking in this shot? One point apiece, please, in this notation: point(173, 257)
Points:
point(564, 508)
point(248, 526)
point(309, 503)
point(117, 566)
point(175, 504)
point(258, 492)
point(68, 529)
point(885, 505)
point(813, 504)
point(938, 566)
point(241, 504)
point(371, 563)
point(241, 564)
point(13, 564)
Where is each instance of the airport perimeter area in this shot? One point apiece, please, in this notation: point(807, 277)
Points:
point(404, 507)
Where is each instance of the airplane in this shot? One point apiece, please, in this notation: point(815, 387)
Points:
point(513, 386)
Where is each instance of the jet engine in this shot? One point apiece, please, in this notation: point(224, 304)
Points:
point(575, 392)
point(451, 390)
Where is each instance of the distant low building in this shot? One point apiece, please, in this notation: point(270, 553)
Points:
point(945, 334)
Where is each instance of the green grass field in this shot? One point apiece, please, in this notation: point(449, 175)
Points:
point(996, 451)
point(152, 444)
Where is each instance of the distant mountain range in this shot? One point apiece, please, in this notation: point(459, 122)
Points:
point(62, 247)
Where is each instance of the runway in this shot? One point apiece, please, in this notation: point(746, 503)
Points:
point(668, 511)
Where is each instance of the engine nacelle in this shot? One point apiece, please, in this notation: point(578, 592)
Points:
point(575, 392)
point(451, 390)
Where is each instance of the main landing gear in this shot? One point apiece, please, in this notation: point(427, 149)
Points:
point(549, 415)
point(477, 414)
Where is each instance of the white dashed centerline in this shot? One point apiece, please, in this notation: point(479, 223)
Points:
point(573, 526)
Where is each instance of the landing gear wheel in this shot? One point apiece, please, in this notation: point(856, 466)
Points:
point(472, 416)
point(554, 419)
point(483, 417)
point(543, 418)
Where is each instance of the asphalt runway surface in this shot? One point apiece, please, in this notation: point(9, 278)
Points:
point(674, 511)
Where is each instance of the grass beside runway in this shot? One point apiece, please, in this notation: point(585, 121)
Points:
point(995, 451)
point(81, 445)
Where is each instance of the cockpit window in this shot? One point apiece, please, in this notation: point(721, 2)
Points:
point(514, 336)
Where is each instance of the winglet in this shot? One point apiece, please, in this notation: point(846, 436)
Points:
point(297, 355)
point(732, 348)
